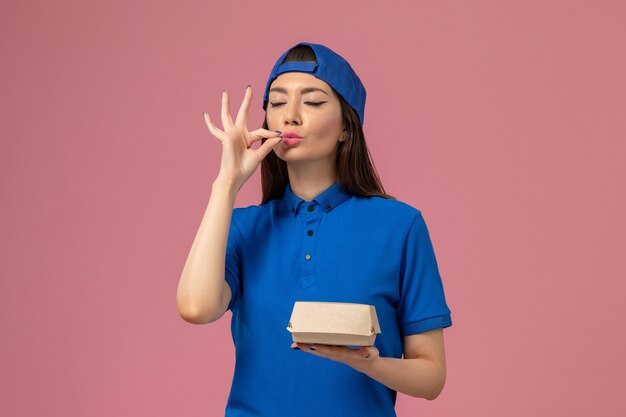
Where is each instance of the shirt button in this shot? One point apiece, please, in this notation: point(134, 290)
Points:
point(311, 208)
point(310, 233)
point(307, 257)
point(293, 210)
point(328, 206)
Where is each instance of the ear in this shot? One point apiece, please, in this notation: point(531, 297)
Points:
point(344, 135)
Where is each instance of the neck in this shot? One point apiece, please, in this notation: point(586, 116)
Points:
point(310, 179)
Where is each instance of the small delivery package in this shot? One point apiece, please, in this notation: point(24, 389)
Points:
point(329, 323)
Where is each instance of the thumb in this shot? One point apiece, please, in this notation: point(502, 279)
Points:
point(267, 146)
point(364, 352)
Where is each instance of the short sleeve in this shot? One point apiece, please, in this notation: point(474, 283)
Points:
point(422, 304)
point(233, 265)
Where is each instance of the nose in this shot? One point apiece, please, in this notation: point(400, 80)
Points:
point(292, 114)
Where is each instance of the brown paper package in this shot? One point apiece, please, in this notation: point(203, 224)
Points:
point(330, 323)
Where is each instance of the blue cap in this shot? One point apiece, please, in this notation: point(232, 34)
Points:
point(332, 69)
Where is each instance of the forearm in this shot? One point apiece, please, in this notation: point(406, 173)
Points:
point(419, 377)
point(201, 284)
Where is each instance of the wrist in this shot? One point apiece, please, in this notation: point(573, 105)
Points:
point(367, 367)
point(229, 184)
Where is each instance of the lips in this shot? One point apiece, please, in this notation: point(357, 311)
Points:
point(291, 138)
point(290, 134)
point(291, 141)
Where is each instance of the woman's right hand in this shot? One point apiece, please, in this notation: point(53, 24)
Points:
point(239, 160)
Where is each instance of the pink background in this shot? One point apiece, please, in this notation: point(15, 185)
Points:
point(503, 121)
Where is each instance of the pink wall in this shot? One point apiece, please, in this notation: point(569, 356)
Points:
point(509, 119)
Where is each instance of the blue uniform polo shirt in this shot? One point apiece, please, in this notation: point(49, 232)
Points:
point(340, 248)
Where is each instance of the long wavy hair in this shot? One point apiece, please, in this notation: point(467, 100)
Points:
point(354, 166)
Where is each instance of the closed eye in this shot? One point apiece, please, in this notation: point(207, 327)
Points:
point(306, 102)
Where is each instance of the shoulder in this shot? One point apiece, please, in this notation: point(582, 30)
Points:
point(388, 208)
point(252, 214)
point(256, 209)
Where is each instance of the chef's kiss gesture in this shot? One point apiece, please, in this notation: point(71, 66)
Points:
point(239, 160)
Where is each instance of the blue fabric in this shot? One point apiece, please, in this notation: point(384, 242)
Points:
point(331, 68)
point(367, 250)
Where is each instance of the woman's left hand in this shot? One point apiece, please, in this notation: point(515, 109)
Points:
point(359, 359)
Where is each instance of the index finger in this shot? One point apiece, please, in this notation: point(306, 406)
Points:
point(261, 133)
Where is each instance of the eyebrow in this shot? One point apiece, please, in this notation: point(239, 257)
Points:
point(303, 91)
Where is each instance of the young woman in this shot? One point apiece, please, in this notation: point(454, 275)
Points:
point(324, 231)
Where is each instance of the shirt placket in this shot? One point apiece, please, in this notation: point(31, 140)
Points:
point(311, 217)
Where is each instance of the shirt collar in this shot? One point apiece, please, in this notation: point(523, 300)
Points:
point(327, 199)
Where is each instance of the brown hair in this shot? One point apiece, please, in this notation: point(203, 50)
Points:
point(354, 167)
